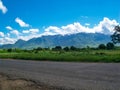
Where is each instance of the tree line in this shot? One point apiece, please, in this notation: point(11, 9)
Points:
point(108, 46)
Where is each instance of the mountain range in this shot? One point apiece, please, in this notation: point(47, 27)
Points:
point(78, 40)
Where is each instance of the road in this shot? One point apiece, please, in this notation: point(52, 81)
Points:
point(69, 75)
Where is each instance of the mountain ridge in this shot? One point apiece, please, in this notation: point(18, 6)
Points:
point(77, 40)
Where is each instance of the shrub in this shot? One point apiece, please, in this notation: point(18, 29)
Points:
point(102, 46)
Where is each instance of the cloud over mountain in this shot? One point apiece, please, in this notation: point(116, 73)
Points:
point(32, 31)
point(105, 27)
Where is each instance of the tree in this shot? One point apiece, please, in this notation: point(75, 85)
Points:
point(110, 45)
point(66, 48)
point(38, 49)
point(57, 48)
point(9, 50)
point(102, 46)
point(116, 35)
point(73, 48)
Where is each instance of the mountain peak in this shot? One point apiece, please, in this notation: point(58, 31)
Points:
point(20, 41)
point(78, 40)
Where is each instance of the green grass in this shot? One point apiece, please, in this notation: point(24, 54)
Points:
point(71, 56)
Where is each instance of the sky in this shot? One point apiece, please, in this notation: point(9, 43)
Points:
point(26, 19)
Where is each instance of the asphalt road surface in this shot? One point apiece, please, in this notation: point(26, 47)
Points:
point(66, 75)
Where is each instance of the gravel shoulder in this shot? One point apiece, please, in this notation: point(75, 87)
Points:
point(12, 83)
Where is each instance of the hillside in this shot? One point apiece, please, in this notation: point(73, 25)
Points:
point(78, 40)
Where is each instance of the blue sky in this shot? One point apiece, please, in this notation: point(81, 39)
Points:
point(25, 19)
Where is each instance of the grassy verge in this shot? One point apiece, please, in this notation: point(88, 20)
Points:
point(71, 56)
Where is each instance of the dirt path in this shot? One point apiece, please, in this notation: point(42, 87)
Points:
point(7, 83)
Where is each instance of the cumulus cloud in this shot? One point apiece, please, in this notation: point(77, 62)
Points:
point(2, 7)
point(2, 34)
point(21, 22)
point(8, 34)
point(16, 32)
point(7, 40)
point(25, 31)
point(68, 29)
point(28, 37)
point(9, 28)
point(87, 24)
point(13, 31)
point(105, 26)
point(32, 31)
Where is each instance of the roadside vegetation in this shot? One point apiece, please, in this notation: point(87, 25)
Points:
point(102, 53)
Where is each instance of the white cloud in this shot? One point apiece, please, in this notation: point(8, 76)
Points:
point(21, 22)
point(2, 7)
point(13, 31)
point(8, 34)
point(105, 26)
point(69, 29)
point(7, 40)
point(9, 28)
point(87, 24)
point(28, 37)
point(16, 32)
point(25, 31)
point(2, 34)
point(53, 30)
point(32, 31)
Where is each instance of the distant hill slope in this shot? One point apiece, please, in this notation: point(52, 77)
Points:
point(78, 40)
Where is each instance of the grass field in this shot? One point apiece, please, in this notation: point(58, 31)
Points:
point(70, 56)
